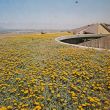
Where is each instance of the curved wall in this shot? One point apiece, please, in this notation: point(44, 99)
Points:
point(97, 41)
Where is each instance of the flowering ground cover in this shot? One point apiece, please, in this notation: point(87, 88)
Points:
point(38, 73)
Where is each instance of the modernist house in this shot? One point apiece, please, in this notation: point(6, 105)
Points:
point(93, 35)
point(99, 28)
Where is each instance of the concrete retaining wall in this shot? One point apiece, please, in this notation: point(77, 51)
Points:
point(100, 44)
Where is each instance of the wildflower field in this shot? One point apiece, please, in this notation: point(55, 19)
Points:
point(38, 73)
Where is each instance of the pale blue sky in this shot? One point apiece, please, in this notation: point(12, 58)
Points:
point(52, 14)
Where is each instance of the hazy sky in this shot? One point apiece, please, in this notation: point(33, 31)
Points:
point(52, 14)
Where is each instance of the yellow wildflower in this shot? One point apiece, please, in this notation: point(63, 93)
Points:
point(37, 108)
point(3, 108)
